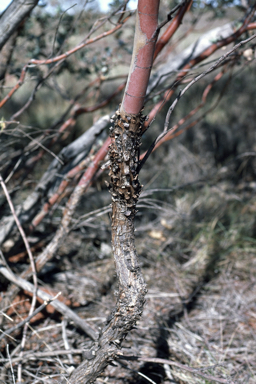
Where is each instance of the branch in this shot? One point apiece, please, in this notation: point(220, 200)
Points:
point(125, 189)
point(171, 132)
point(176, 22)
point(62, 308)
point(71, 155)
point(59, 58)
point(161, 137)
point(82, 186)
point(13, 16)
point(193, 55)
point(197, 78)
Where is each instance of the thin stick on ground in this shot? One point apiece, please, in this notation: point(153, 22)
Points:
point(9, 357)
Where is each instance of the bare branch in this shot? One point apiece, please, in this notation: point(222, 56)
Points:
point(12, 17)
point(182, 92)
point(62, 308)
point(197, 78)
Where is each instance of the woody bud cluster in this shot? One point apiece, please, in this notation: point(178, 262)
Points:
point(124, 160)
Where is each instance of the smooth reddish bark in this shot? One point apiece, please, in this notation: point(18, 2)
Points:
point(142, 58)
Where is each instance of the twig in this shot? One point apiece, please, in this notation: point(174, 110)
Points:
point(170, 134)
point(33, 62)
point(177, 20)
point(197, 59)
point(181, 93)
point(137, 372)
point(65, 339)
point(37, 355)
point(9, 357)
point(31, 259)
point(32, 263)
point(197, 78)
point(39, 309)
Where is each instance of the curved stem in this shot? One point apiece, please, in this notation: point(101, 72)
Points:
point(125, 188)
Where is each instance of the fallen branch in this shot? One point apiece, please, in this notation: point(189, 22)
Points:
point(70, 157)
point(62, 308)
point(12, 17)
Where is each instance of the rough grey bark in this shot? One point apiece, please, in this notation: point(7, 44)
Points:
point(125, 189)
point(11, 18)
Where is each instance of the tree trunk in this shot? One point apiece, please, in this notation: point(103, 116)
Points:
point(125, 189)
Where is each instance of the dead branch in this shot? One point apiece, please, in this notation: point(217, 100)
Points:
point(62, 308)
point(59, 58)
point(196, 53)
point(70, 156)
point(64, 228)
point(12, 17)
